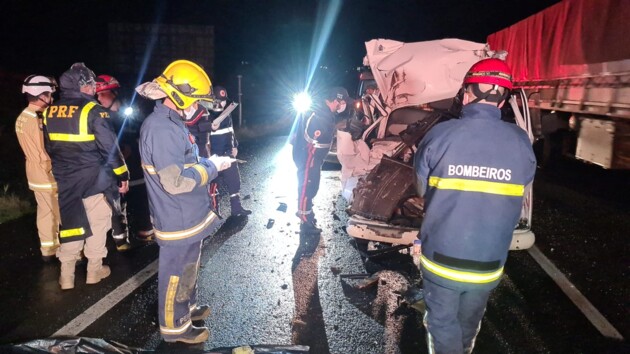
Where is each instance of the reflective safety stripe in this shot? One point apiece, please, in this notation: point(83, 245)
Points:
point(47, 243)
point(72, 232)
point(302, 212)
point(469, 185)
point(120, 170)
point(32, 114)
point(315, 143)
point(83, 135)
point(169, 303)
point(176, 331)
point(458, 275)
point(222, 131)
point(203, 173)
point(43, 186)
point(150, 169)
point(178, 235)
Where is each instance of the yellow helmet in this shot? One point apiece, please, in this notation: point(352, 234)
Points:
point(185, 82)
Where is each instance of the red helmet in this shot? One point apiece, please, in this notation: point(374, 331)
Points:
point(106, 83)
point(490, 71)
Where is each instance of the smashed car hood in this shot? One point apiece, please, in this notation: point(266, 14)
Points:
point(411, 74)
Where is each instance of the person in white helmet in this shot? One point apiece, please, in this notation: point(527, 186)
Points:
point(38, 90)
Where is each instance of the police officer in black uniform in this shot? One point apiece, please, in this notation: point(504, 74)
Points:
point(311, 142)
point(223, 143)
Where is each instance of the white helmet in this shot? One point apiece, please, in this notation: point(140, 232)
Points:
point(37, 84)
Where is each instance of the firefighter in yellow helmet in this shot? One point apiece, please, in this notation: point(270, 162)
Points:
point(177, 183)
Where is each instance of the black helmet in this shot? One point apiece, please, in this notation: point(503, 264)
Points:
point(220, 93)
point(76, 77)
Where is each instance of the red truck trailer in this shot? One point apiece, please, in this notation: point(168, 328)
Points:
point(573, 61)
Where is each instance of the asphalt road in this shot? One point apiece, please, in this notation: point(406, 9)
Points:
point(267, 284)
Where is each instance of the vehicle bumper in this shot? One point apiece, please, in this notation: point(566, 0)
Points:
point(370, 230)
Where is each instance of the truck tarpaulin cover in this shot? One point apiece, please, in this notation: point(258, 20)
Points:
point(103, 346)
point(571, 38)
point(410, 74)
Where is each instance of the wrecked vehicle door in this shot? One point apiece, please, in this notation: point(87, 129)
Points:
point(418, 83)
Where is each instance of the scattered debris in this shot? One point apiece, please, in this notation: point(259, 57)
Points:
point(284, 286)
point(335, 270)
point(336, 217)
point(246, 197)
point(270, 223)
point(282, 207)
point(368, 282)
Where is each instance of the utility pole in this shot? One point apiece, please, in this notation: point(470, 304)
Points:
point(240, 103)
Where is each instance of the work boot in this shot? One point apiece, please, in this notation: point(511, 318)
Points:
point(145, 235)
point(96, 271)
point(122, 242)
point(309, 227)
point(237, 208)
point(200, 313)
point(194, 335)
point(66, 278)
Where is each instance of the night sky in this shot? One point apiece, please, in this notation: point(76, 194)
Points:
point(272, 37)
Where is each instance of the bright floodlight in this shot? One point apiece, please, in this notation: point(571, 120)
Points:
point(128, 111)
point(301, 102)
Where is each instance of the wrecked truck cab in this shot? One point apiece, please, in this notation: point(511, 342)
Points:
point(418, 84)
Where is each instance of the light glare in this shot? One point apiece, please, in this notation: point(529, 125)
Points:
point(302, 102)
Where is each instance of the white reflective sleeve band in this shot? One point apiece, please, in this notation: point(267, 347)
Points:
point(223, 131)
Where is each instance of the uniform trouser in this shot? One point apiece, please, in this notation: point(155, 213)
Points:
point(138, 209)
point(231, 178)
point(99, 215)
point(202, 140)
point(452, 318)
point(47, 221)
point(119, 216)
point(177, 287)
point(308, 173)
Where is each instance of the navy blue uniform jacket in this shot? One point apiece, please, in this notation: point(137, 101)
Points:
point(473, 172)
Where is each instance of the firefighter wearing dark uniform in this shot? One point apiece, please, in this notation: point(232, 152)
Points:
point(223, 143)
point(177, 183)
point(131, 210)
point(473, 172)
point(311, 142)
point(87, 164)
point(200, 126)
point(106, 94)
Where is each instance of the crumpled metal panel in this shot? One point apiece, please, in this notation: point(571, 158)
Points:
point(378, 194)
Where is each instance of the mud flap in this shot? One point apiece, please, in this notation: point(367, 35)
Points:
point(378, 194)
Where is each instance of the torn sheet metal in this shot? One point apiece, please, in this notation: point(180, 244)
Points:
point(411, 74)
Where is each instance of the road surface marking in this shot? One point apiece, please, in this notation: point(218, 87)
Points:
point(593, 315)
point(81, 322)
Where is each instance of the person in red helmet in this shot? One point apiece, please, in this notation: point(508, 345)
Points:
point(107, 95)
point(132, 213)
point(472, 173)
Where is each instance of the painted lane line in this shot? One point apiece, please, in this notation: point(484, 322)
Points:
point(89, 316)
point(582, 303)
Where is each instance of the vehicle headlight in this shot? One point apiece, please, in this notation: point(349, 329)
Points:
point(302, 102)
